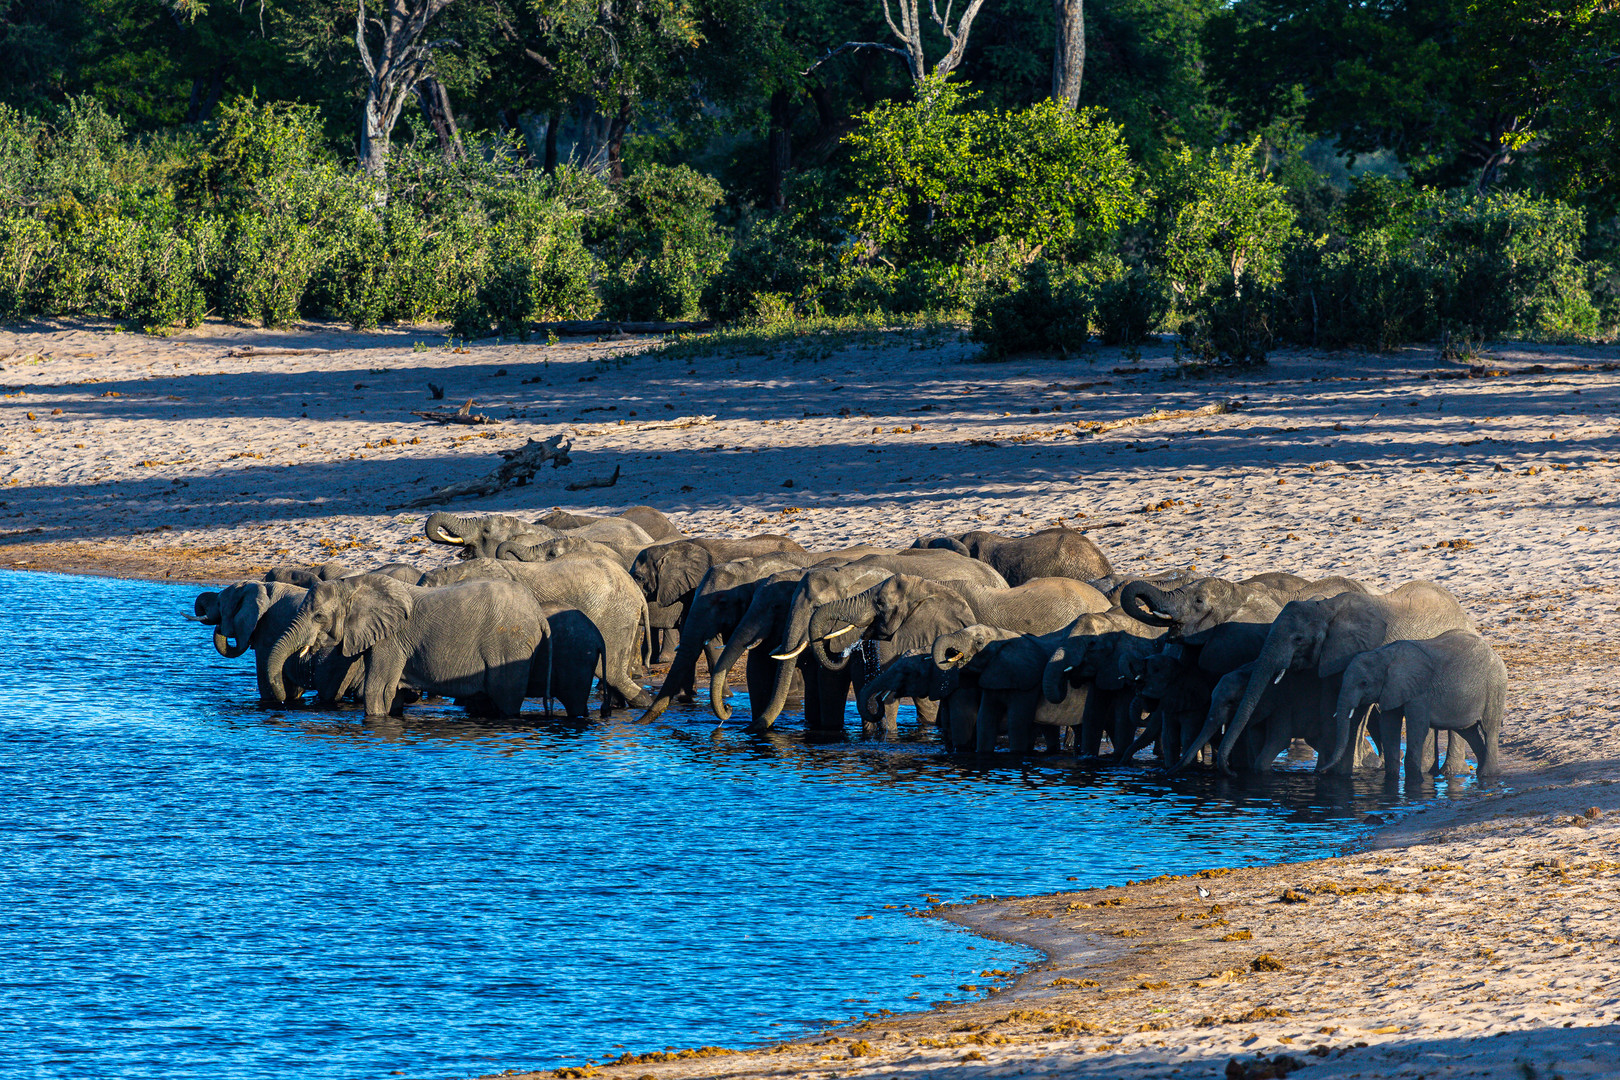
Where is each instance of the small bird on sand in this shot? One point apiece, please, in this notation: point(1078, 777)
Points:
point(1203, 893)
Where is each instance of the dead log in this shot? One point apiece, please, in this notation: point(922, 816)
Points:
point(1219, 409)
point(516, 470)
point(248, 352)
point(463, 415)
point(598, 482)
point(596, 327)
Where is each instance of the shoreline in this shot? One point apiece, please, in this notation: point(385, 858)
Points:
point(196, 459)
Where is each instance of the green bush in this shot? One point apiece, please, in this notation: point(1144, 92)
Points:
point(1048, 311)
point(660, 245)
point(1130, 306)
point(1226, 326)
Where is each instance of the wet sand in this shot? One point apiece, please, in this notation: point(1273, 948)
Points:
point(1461, 944)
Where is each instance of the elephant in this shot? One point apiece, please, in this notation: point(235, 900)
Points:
point(256, 614)
point(718, 605)
point(650, 521)
point(1199, 606)
point(1049, 553)
point(1453, 682)
point(1008, 670)
point(1098, 651)
point(912, 611)
point(1174, 695)
point(600, 588)
point(916, 676)
point(1325, 634)
point(668, 574)
point(563, 546)
point(475, 640)
point(307, 577)
point(479, 537)
point(1298, 706)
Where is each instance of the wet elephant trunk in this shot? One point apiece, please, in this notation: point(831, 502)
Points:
point(222, 644)
point(1270, 668)
point(839, 625)
point(736, 648)
point(682, 670)
point(1055, 678)
point(1145, 602)
point(446, 528)
point(298, 636)
point(1344, 724)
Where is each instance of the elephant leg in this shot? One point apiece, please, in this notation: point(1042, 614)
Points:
point(1456, 755)
point(812, 698)
point(1273, 744)
point(987, 727)
point(1153, 731)
point(927, 713)
point(1480, 741)
point(964, 719)
point(1419, 745)
point(379, 687)
point(1068, 737)
point(834, 693)
point(760, 676)
point(1122, 730)
point(1389, 728)
point(1052, 738)
point(665, 641)
point(1091, 725)
point(1021, 722)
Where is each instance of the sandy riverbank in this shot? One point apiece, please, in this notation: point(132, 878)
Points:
point(191, 458)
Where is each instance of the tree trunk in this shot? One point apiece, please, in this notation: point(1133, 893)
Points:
point(1069, 55)
point(393, 67)
point(553, 124)
point(435, 102)
point(615, 140)
point(779, 148)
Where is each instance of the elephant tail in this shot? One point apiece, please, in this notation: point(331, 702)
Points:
point(646, 635)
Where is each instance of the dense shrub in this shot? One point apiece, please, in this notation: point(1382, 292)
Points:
point(660, 245)
point(1048, 311)
point(1129, 306)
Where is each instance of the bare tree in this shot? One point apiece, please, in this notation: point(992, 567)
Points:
point(394, 65)
point(1069, 56)
point(906, 23)
point(435, 102)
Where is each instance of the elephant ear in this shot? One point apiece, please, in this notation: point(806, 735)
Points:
point(1014, 664)
point(1231, 645)
point(240, 613)
point(924, 622)
point(1407, 672)
point(377, 608)
point(1354, 628)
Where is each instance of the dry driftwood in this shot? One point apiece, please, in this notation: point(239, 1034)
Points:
point(463, 415)
point(598, 482)
point(518, 469)
point(249, 351)
point(592, 327)
point(1218, 409)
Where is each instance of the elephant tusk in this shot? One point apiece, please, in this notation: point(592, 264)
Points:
point(790, 655)
point(838, 633)
point(1159, 614)
point(193, 618)
point(1279, 677)
point(452, 538)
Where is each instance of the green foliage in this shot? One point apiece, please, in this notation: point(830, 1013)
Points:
point(660, 244)
point(933, 178)
point(1130, 306)
point(1221, 223)
point(1048, 311)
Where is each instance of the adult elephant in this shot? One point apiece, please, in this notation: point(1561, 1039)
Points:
point(562, 547)
point(668, 574)
point(475, 640)
point(599, 588)
point(1007, 670)
point(1098, 652)
point(479, 537)
point(1048, 553)
point(912, 612)
point(1199, 606)
point(1324, 635)
point(718, 607)
point(651, 521)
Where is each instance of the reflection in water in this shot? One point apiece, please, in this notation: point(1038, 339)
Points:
point(195, 886)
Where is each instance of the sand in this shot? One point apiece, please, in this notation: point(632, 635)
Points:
point(1446, 948)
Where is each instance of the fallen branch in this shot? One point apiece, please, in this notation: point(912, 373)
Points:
point(590, 327)
point(517, 470)
point(463, 415)
point(677, 424)
point(250, 351)
point(1218, 409)
point(598, 482)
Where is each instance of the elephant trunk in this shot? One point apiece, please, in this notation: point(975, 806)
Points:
point(735, 649)
point(205, 609)
point(951, 543)
point(1146, 603)
point(1344, 722)
point(839, 624)
point(222, 644)
point(298, 636)
point(446, 528)
point(873, 695)
point(1270, 668)
point(512, 551)
point(1055, 678)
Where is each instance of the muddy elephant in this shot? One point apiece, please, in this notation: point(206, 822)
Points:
point(1048, 553)
point(475, 640)
point(1324, 635)
point(1453, 682)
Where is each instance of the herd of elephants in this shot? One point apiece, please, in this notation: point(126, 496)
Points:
point(1014, 640)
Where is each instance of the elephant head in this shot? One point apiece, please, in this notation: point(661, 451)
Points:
point(913, 676)
point(763, 620)
point(480, 537)
point(820, 586)
point(906, 610)
point(959, 647)
point(350, 615)
point(241, 606)
point(205, 609)
point(1158, 672)
point(1068, 651)
point(668, 573)
point(1197, 606)
point(1388, 676)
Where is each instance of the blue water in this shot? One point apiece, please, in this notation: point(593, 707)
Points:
point(191, 886)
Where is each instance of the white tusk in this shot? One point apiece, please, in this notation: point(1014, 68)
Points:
point(1279, 677)
point(1159, 614)
point(838, 633)
point(453, 538)
point(790, 655)
point(194, 618)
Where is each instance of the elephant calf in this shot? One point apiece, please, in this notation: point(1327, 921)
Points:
point(1454, 682)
